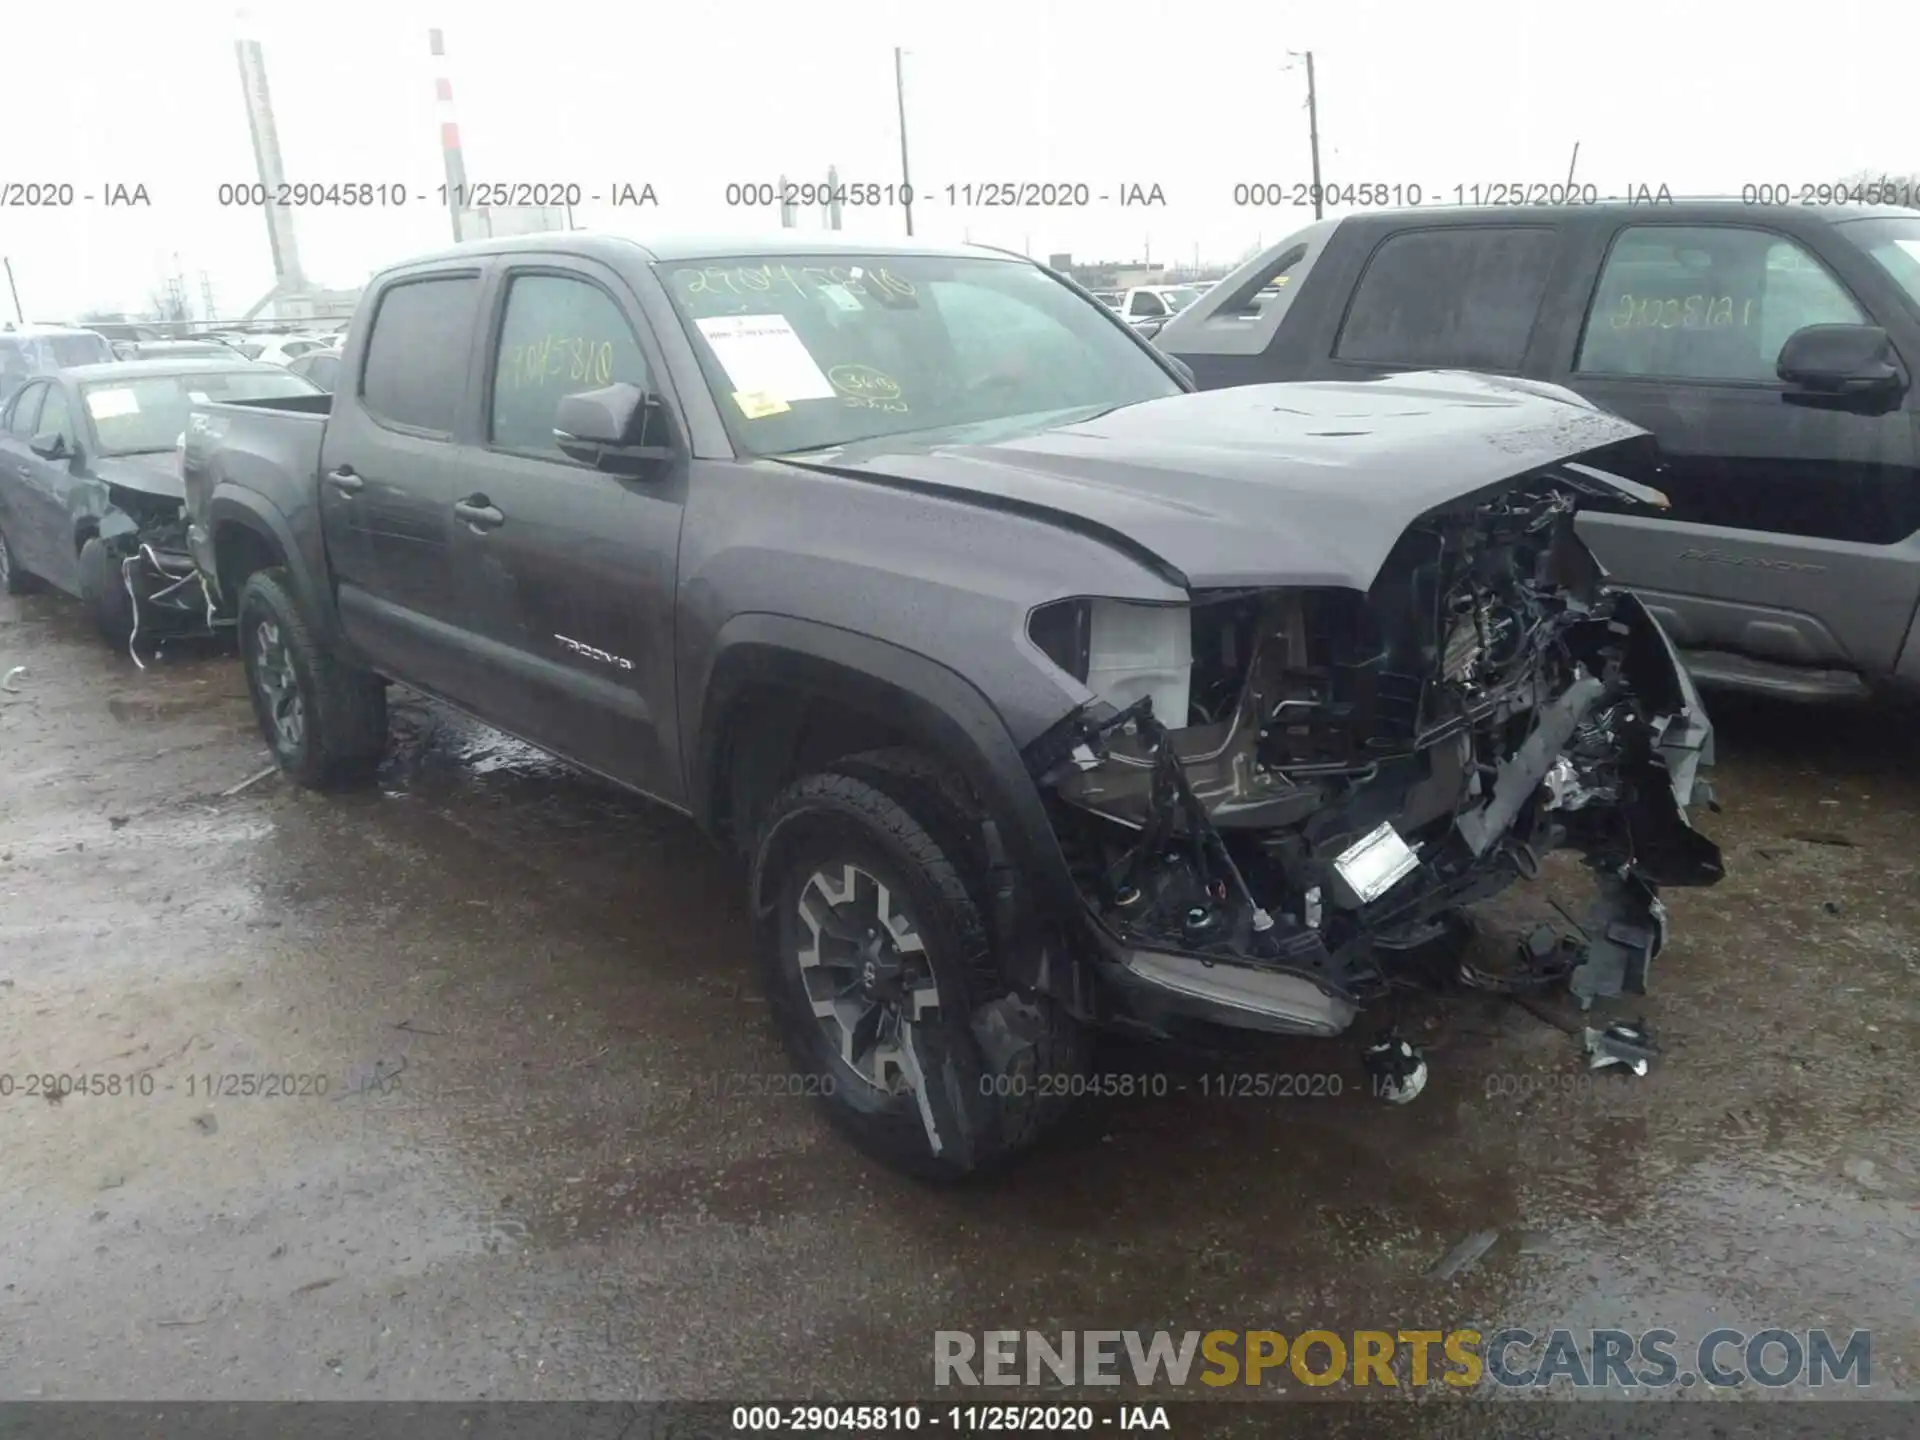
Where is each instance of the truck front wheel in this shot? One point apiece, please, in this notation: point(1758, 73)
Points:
point(878, 968)
point(326, 722)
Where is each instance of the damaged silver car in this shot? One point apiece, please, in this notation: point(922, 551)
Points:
point(91, 500)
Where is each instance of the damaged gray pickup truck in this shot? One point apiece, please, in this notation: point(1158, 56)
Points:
point(1036, 692)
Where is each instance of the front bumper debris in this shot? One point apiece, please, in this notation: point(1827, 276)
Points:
point(1281, 866)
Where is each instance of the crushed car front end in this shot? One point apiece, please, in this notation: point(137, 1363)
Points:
point(1284, 797)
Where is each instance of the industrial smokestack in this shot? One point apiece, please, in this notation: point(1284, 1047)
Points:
point(449, 136)
point(830, 211)
point(266, 154)
point(786, 206)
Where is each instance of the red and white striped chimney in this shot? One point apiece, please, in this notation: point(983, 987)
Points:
point(449, 136)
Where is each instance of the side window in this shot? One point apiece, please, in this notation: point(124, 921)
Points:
point(1705, 302)
point(56, 416)
point(1462, 297)
point(560, 336)
point(1146, 303)
point(25, 414)
point(416, 366)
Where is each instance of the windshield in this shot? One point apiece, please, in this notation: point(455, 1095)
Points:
point(1894, 241)
point(812, 352)
point(143, 415)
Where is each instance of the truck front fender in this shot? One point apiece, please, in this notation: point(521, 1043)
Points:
point(945, 714)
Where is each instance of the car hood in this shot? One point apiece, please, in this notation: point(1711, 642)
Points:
point(149, 474)
point(1308, 483)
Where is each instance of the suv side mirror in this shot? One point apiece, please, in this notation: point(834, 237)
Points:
point(1839, 360)
point(610, 428)
point(50, 446)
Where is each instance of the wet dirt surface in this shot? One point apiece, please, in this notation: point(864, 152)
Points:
point(540, 1167)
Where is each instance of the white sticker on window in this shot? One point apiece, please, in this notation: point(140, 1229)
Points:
point(762, 354)
point(1912, 247)
point(198, 397)
point(107, 404)
point(841, 296)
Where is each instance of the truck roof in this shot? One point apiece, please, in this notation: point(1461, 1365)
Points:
point(675, 248)
point(1706, 208)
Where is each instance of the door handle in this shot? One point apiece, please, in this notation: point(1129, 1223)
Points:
point(478, 513)
point(345, 481)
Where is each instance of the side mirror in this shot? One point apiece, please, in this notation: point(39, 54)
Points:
point(1839, 360)
point(611, 428)
point(50, 446)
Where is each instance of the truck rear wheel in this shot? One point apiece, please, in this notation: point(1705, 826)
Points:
point(325, 722)
point(879, 969)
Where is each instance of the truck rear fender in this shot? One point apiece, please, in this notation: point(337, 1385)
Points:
point(249, 534)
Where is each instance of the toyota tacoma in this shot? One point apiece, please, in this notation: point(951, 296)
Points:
point(1037, 692)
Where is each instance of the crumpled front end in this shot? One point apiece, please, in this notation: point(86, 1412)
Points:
point(1285, 797)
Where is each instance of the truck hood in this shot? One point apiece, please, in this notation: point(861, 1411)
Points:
point(157, 475)
point(1298, 484)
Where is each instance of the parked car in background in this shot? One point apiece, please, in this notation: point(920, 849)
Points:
point(90, 493)
point(1035, 691)
point(1770, 349)
point(115, 331)
point(27, 351)
point(1148, 307)
point(321, 366)
point(175, 350)
point(283, 349)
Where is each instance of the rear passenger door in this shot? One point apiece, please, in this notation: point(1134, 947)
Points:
point(1788, 510)
point(568, 573)
point(391, 462)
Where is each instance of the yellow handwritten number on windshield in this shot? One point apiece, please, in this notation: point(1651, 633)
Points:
point(864, 380)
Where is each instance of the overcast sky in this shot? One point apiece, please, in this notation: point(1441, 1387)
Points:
point(1193, 97)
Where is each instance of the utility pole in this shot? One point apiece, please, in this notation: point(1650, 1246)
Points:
point(900, 98)
point(831, 210)
point(786, 206)
point(1313, 133)
point(1573, 162)
point(14, 289)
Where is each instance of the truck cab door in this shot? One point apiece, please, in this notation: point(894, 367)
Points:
point(567, 573)
point(1789, 540)
point(390, 466)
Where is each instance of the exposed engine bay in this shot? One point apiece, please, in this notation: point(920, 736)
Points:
point(1284, 794)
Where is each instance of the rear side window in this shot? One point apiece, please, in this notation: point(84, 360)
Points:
point(417, 354)
point(1463, 297)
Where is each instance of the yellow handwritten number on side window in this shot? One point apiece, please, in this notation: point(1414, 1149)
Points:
point(1693, 312)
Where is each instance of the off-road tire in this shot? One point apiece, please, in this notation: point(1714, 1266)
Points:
point(899, 820)
point(344, 707)
point(18, 581)
point(104, 590)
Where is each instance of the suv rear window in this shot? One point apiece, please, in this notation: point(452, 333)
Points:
point(1459, 297)
point(79, 349)
point(417, 355)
